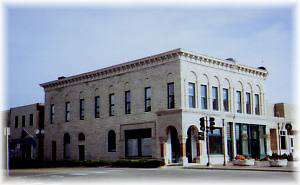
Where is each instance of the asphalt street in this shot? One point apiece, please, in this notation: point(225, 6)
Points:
point(175, 173)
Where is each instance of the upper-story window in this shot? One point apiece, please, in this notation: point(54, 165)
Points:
point(81, 109)
point(215, 98)
point(171, 97)
point(16, 121)
point(248, 103)
point(97, 106)
point(30, 119)
point(23, 121)
point(52, 109)
point(67, 112)
point(127, 102)
point(111, 104)
point(225, 100)
point(203, 97)
point(238, 102)
point(192, 99)
point(257, 111)
point(147, 99)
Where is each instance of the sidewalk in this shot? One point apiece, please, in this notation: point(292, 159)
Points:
point(290, 168)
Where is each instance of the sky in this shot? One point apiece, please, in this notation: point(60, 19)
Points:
point(45, 42)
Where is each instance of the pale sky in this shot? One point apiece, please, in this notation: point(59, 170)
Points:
point(46, 42)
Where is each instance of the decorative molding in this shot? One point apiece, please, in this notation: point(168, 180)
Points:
point(149, 62)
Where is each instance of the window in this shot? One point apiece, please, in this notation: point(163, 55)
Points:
point(215, 141)
point(97, 106)
point(282, 140)
point(238, 102)
point(203, 96)
point(127, 102)
point(147, 99)
point(23, 121)
point(138, 143)
point(81, 137)
point(111, 141)
point(52, 108)
point(67, 112)
point(16, 121)
point(215, 98)
point(30, 119)
point(257, 112)
point(238, 138)
point(81, 109)
point(292, 142)
point(225, 100)
point(248, 103)
point(171, 100)
point(192, 102)
point(111, 104)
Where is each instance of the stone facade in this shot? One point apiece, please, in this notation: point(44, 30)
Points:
point(174, 130)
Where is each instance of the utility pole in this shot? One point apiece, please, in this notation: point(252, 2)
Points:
point(7, 133)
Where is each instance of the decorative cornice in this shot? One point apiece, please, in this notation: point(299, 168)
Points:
point(148, 62)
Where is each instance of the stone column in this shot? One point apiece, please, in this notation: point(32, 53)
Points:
point(233, 140)
point(182, 151)
point(162, 144)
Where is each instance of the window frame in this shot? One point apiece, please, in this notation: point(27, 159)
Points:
point(147, 99)
point(30, 119)
point(23, 121)
point(204, 104)
point(111, 104)
point(52, 113)
point(67, 111)
point(171, 95)
point(239, 108)
point(97, 107)
point(127, 102)
point(257, 104)
point(215, 101)
point(248, 104)
point(192, 97)
point(16, 121)
point(226, 108)
point(81, 108)
point(111, 141)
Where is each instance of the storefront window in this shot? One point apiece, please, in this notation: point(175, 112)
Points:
point(215, 141)
point(245, 140)
point(138, 143)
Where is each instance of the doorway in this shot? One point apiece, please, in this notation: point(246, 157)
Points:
point(81, 152)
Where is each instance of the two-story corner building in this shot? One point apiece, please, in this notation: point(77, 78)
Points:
point(150, 108)
point(26, 131)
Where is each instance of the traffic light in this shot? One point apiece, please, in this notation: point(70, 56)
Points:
point(202, 123)
point(212, 123)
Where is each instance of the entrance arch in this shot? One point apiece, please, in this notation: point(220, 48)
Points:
point(192, 144)
point(173, 146)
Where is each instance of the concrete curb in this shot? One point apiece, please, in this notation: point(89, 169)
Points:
point(244, 169)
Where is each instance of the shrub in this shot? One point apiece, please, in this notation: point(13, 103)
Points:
point(140, 163)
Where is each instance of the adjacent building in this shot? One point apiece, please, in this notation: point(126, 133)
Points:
point(26, 137)
point(150, 108)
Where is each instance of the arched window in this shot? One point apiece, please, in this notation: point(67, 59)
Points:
point(111, 141)
point(67, 141)
point(81, 137)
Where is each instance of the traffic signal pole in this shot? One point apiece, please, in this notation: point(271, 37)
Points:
point(207, 141)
